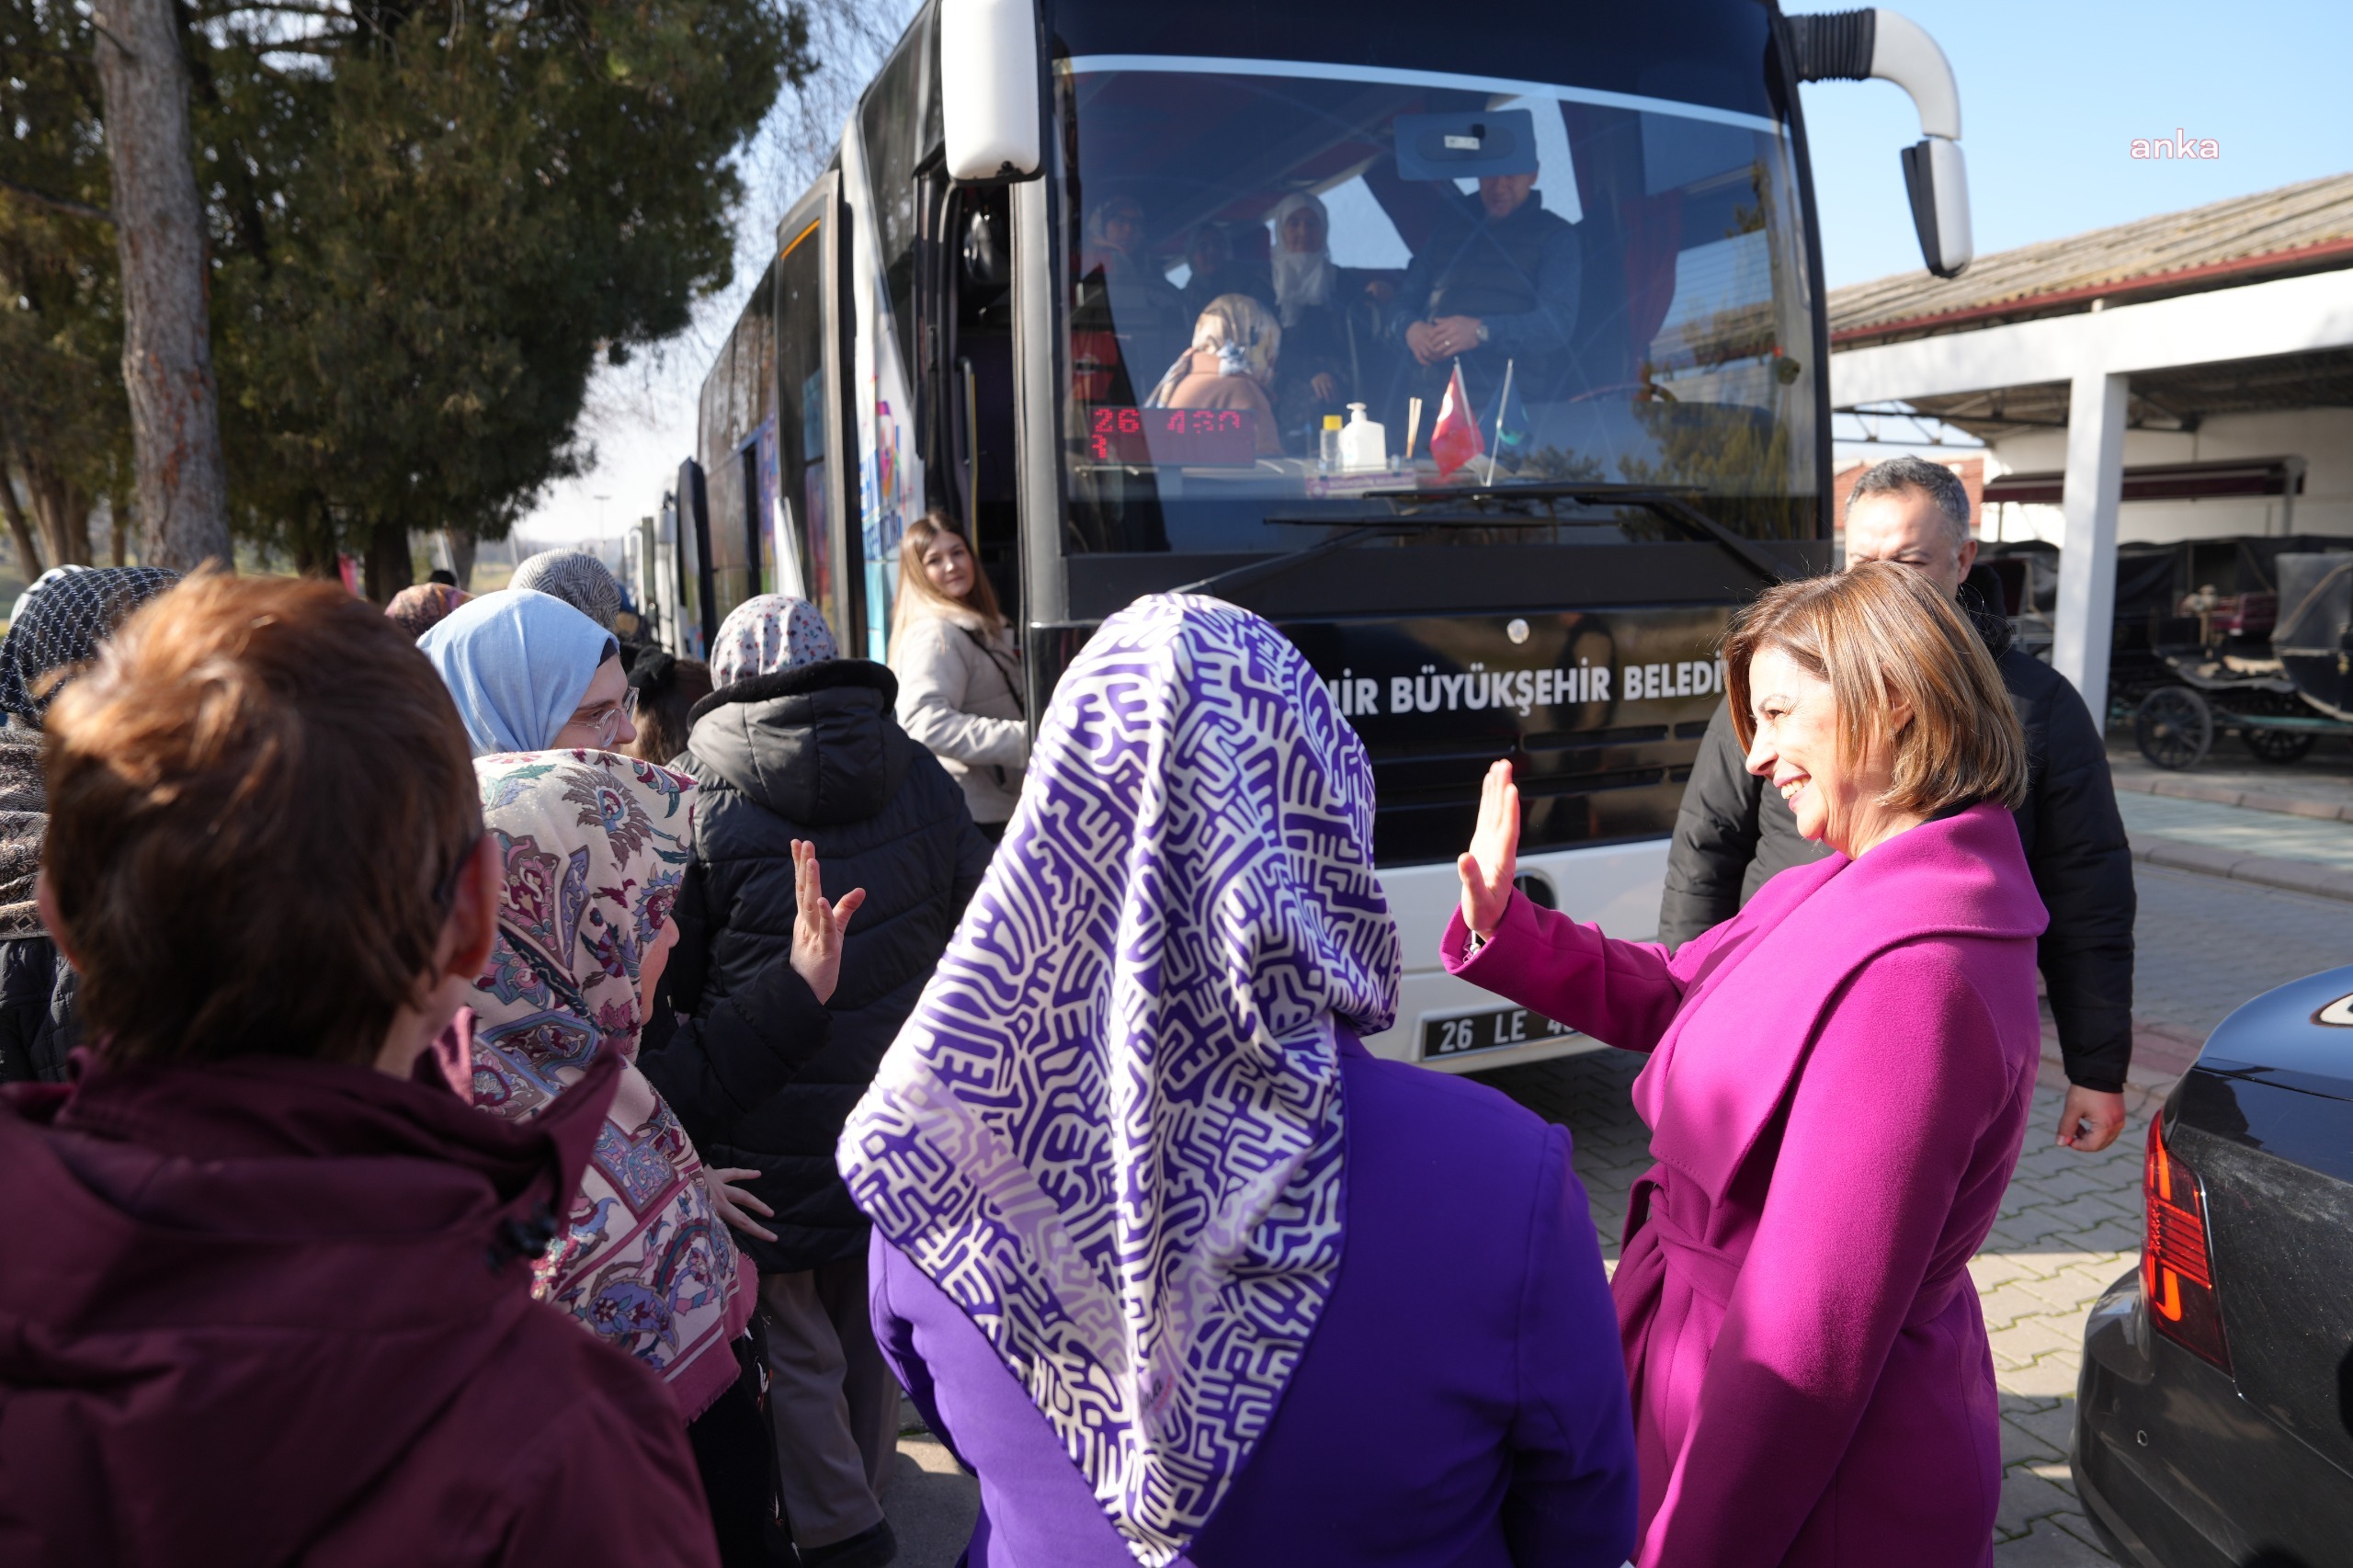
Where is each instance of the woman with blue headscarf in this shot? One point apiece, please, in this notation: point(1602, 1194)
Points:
point(1157, 1240)
point(530, 673)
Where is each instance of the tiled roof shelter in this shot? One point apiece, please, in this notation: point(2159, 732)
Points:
point(2238, 306)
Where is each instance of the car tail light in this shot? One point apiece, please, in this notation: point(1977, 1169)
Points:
point(2177, 1263)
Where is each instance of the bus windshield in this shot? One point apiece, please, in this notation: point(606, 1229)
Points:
point(1482, 282)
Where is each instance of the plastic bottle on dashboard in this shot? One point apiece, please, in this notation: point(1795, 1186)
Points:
point(1364, 445)
point(1327, 456)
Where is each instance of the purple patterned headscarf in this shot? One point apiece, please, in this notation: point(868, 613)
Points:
point(765, 633)
point(1111, 1128)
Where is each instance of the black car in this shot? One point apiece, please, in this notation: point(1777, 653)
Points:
point(2214, 1415)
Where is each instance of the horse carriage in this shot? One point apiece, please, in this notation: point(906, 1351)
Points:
point(2249, 636)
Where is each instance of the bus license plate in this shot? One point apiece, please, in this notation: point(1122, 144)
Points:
point(1496, 1030)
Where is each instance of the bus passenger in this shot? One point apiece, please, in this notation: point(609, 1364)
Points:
point(1316, 303)
point(1230, 364)
point(1216, 270)
point(798, 749)
point(1123, 292)
point(1496, 283)
point(58, 627)
point(1838, 1091)
point(960, 670)
point(269, 1296)
point(530, 673)
point(1156, 1236)
point(594, 847)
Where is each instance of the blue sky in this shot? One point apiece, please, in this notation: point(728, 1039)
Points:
point(2052, 95)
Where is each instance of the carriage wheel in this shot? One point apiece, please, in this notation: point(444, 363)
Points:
point(2173, 727)
point(2277, 745)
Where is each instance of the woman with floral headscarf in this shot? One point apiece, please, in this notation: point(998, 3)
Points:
point(1155, 1237)
point(1230, 364)
point(593, 845)
point(797, 745)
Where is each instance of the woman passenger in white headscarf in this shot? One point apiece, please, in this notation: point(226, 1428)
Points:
point(1313, 299)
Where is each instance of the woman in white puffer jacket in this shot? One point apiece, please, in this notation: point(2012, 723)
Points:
point(960, 670)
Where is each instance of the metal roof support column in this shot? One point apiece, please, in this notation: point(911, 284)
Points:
point(2083, 625)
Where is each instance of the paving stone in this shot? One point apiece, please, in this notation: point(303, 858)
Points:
point(2049, 1545)
point(2026, 1497)
point(2019, 1446)
point(2051, 1376)
point(2051, 1420)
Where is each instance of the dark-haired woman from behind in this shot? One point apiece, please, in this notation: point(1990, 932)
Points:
point(663, 690)
point(269, 1289)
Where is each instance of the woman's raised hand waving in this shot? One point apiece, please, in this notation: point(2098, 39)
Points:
point(818, 927)
point(1487, 869)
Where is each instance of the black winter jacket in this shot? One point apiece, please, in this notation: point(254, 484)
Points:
point(1735, 833)
point(815, 754)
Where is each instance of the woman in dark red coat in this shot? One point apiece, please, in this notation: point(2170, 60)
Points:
point(268, 1295)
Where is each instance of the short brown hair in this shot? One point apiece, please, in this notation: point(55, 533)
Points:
point(260, 800)
point(1879, 632)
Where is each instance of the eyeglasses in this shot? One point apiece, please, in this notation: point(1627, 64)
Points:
point(603, 720)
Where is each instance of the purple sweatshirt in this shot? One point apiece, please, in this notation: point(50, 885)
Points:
point(1462, 1402)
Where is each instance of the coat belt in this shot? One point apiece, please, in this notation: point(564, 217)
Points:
point(1711, 1272)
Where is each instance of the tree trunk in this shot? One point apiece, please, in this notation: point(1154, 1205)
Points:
point(118, 528)
point(390, 566)
point(160, 238)
point(461, 557)
point(61, 513)
point(19, 529)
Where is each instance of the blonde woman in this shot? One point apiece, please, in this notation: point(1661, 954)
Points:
point(960, 671)
point(1230, 364)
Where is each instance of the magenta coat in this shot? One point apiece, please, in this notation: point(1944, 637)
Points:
point(1837, 1091)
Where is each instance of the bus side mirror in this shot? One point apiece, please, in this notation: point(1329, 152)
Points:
point(1850, 46)
point(990, 92)
point(1937, 182)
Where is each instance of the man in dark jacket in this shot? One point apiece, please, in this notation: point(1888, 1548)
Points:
point(1734, 833)
point(812, 751)
point(1495, 287)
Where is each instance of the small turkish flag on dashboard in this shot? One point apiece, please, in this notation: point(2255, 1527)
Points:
point(1455, 439)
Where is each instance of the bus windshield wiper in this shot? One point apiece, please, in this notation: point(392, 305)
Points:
point(1671, 505)
point(1384, 527)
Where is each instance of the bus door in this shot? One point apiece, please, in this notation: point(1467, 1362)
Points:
point(811, 509)
point(697, 624)
point(968, 339)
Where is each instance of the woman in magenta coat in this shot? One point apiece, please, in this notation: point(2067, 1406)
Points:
point(1836, 1091)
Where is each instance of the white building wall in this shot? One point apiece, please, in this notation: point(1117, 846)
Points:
point(2322, 436)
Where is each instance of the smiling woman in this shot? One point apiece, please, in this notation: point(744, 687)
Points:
point(1836, 1092)
point(1871, 704)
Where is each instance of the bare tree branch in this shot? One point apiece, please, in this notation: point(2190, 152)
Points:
point(56, 203)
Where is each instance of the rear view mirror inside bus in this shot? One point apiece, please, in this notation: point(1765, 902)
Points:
point(1466, 146)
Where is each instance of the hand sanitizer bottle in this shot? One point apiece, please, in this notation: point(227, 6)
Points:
point(1364, 445)
point(1327, 457)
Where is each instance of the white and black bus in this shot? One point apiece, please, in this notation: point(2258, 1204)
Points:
point(987, 303)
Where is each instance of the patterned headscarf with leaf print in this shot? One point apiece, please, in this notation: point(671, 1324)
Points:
point(593, 845)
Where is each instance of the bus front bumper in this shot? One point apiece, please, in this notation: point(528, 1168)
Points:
point(1456, 1027)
